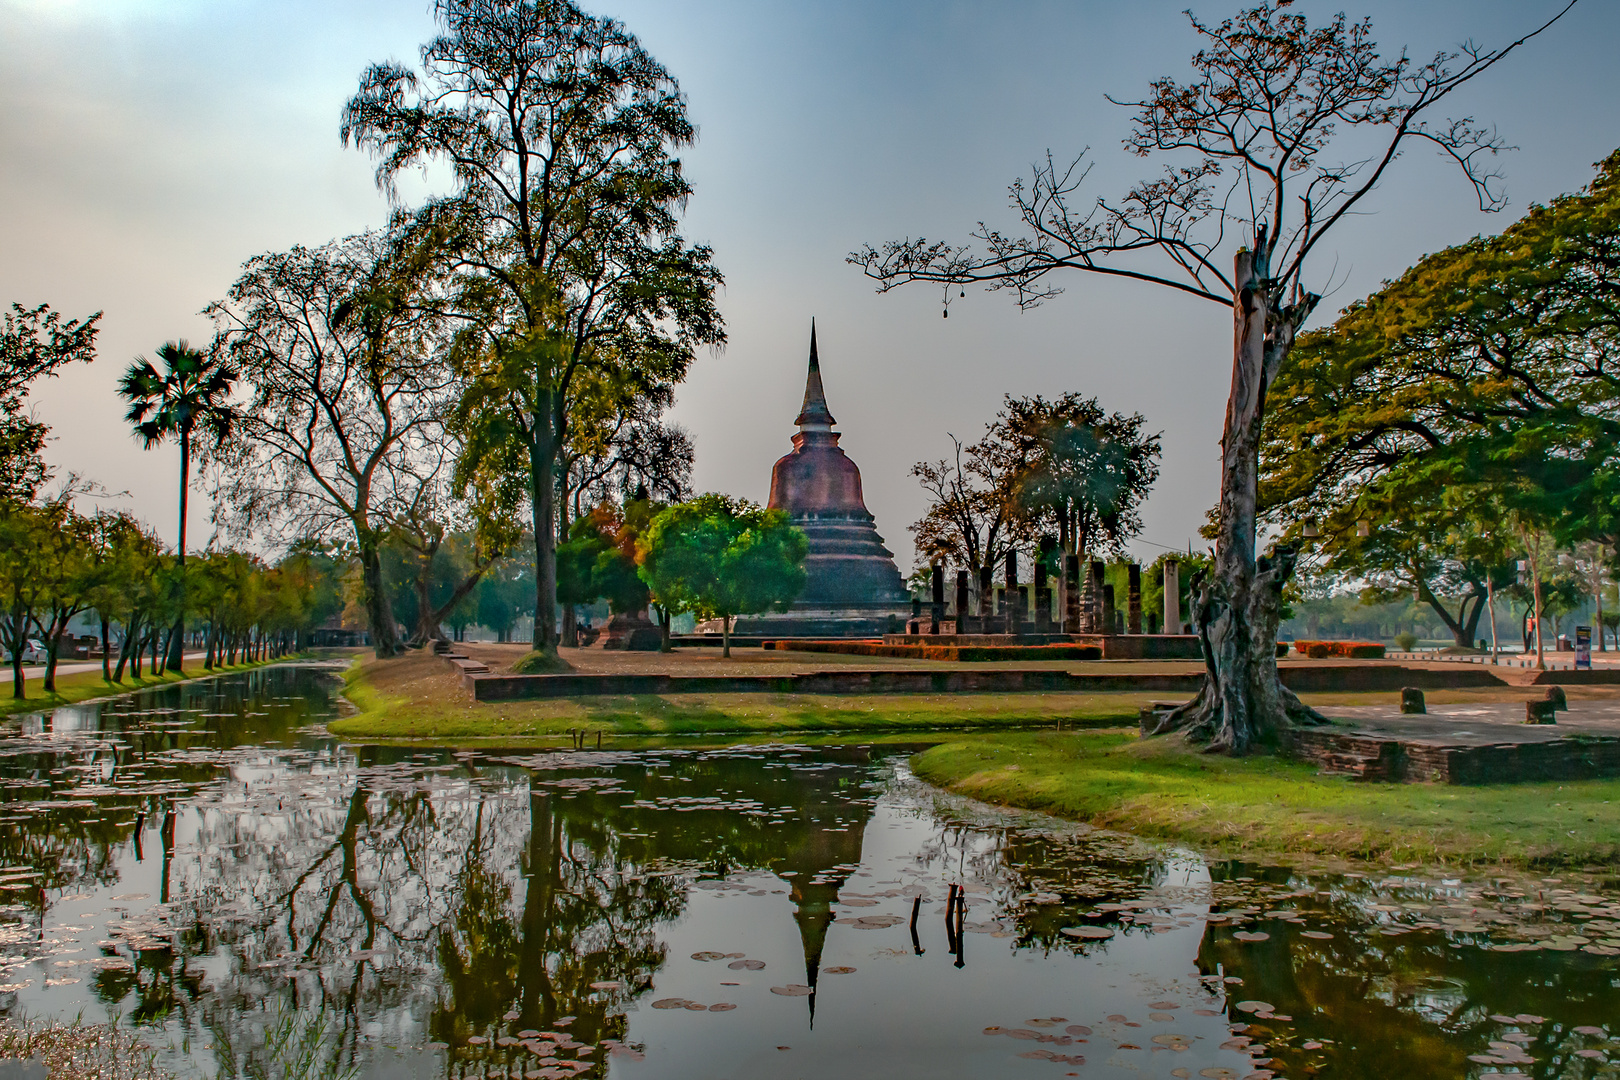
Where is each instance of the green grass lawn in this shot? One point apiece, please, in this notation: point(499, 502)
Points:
point(429, 705)
point(84, 685)
point(1161, 788)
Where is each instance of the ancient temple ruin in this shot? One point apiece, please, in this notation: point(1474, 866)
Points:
point(854, 587)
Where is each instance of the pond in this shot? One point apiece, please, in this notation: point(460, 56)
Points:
point(203, 864)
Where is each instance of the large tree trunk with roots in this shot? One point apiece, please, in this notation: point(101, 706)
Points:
point(1243, 704)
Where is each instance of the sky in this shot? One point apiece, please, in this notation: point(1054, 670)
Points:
point(150, 147)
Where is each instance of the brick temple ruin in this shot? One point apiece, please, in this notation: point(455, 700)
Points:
point(854, 588)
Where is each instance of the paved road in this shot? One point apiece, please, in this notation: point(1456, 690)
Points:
point(37, 671)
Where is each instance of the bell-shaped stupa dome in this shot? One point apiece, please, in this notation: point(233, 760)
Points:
point(848, 566)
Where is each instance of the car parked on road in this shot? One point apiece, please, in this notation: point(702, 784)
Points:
point(33, 653)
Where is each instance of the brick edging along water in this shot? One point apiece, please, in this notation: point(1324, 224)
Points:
point(1347, 678)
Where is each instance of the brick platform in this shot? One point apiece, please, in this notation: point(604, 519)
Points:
point(1482, 744)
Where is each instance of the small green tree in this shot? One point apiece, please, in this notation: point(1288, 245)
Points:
point(721, 557)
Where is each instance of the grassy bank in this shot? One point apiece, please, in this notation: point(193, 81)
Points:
point(416, 697)
point(85, 685)
point(1160, 788)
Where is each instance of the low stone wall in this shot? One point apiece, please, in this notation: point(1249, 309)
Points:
point(1573, 757)
point(1336, 677)
point(956, 649)
point(518, 687)
point(1353, 678)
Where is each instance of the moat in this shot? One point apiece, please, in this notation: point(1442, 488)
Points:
point(204, 865)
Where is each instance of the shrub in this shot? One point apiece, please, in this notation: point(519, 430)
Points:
point(1406, 641)
point(1354, 650)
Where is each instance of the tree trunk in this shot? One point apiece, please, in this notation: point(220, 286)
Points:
point(379, 612)
point(53, 648)
point(106, 646)
point(177, 639)
point(124, 646)
point(1243, 704)
point(542, 499)
point(17, 640)
point(1597, 620)
point(725, 636)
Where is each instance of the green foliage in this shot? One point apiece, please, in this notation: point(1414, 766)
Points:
point(578, 294)
point(1063, 464)
point(1406, 641)
point(1077, 470)
point(1471, 393)
point(720, 557)
point(34, 343)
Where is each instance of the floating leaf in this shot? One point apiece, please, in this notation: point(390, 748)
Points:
point(792, 990)
point(706, 955)
point(746, 965)
point(1252, 935)
point(1089, 933)
point(722, 1006)
point(840, 970)
point(669, 1003)
point(1078, 1029)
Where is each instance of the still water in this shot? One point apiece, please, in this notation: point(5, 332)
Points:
point(202, 864)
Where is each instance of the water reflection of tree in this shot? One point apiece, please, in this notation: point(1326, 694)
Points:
point(1422, 1000)
point(488, 901)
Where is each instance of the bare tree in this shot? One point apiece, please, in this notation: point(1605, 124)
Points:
point(1251, 165)
point(343, 431)
point(971, 519)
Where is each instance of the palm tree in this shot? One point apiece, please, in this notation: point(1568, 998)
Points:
point(192, 393)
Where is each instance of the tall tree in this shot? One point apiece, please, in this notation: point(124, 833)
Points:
point(1077, 468)
point(1477, 385)
point(341, 351)
point(559, 130)
point(191, 395)
point(34, 342)
point(1260, 159)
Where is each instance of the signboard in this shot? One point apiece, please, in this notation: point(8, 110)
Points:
point(1583, 648)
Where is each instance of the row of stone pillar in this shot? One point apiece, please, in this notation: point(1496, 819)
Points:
point(1089, 607)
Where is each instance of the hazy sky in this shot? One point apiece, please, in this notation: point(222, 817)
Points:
point(149, 147)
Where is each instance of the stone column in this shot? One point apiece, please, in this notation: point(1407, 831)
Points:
point(1172, 597)
point(1014, 597)
point(936, 610)
point(1094, 601)
point(1133, 602)
point(1110, 623)
point(962, 616)
point(1071, 594)
point(1043, 600)
point(987, 600)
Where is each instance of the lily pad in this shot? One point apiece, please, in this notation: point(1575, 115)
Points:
point(792, 990)
point(1088, 933)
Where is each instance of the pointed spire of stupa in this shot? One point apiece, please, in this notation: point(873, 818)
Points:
point(814, 415)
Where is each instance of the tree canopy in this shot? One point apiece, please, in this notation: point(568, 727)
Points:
point(1476, 389)
point(571, 279)
point(720, 557)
